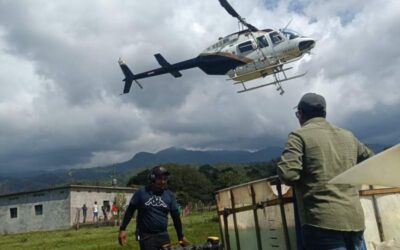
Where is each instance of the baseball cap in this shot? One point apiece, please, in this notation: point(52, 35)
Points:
point(312, 103)
point(160, 171)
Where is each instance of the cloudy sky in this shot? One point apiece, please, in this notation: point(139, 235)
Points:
point(60, 81)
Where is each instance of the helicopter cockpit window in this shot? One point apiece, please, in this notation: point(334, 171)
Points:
point(290, 34)
point(246, 46)
point(262, 41)
point(275, 37)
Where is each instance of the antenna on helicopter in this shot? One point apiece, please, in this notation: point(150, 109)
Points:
point(287, 25)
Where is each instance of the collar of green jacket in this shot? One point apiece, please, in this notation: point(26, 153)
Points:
point(314, 120)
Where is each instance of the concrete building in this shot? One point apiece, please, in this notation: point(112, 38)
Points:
point(55, 208)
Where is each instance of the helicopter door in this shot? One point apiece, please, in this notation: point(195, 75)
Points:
point(262, 42)
point(276, 37)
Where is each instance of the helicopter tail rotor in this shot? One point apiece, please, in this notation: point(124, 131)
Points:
point(129, 76)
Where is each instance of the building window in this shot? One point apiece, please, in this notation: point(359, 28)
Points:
point(106, 205)
point(13, 212)
point(39, 209)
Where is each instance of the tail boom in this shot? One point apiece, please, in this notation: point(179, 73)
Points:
point(166, 67)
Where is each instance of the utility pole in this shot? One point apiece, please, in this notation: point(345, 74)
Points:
point(114, 176)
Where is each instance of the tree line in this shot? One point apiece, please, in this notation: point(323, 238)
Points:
point(198, 183)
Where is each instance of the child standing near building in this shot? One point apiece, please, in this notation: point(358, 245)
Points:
point(95, 212)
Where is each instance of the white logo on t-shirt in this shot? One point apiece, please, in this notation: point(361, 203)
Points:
point(155, 201)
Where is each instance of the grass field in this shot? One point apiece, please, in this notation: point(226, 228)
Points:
point(197, 227)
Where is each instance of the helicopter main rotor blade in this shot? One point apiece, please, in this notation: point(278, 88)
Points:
point(233, 13)
point(229, 8)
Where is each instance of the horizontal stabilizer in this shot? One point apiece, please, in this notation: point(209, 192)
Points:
point(176, 74)
point(163, 63)
point(161, 60)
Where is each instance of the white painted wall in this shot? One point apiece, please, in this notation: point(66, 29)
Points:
point(60, 207)
point(88, 197)
point(55, 216)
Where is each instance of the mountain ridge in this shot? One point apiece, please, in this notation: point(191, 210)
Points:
point(98, 175)
point(140, 160)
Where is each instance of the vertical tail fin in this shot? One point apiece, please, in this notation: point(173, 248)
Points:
point(129, 76)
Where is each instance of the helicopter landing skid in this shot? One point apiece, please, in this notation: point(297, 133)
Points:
point(276, 82)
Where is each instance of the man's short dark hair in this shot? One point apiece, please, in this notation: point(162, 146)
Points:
point(309, 115)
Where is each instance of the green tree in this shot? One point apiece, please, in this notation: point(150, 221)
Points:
point(253, 173)
point(230, 177)
point(141, 179)
point(261, 170)
point(210, 172)
point(190, 183)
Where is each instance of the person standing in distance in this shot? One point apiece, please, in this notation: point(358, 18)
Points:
point(331, 216)
point(95, 212)
point(84, 212)
point(153, 203)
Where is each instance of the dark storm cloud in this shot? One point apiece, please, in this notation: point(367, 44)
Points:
point(379, 126)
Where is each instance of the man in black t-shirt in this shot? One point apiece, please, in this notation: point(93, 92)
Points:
point(153, 203)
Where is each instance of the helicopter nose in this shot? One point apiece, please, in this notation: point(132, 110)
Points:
point(305, 46)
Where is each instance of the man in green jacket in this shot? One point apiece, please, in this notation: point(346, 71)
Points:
point(331, 216)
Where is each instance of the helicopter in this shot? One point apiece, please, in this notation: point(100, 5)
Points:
point(243, 56)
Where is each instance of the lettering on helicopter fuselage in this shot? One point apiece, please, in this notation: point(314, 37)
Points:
point(220, 43)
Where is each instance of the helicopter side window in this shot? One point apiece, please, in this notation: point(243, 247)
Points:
point(246, 46)
point(275, 37)
point(262, 41)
